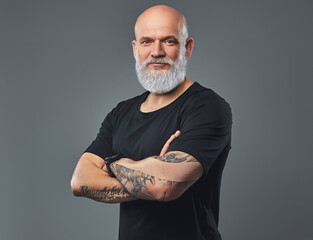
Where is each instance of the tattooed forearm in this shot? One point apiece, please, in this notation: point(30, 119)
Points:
point(137, 180)
point(114, 194)
point(161, 178)
point(141, 185)
point(175, 157)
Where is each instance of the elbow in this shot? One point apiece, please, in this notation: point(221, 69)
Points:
point(76, 191)
point(77, 180)
point(166, 194)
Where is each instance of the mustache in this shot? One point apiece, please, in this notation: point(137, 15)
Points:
point(164, 60)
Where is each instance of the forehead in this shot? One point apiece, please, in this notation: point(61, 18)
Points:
point(157, 26)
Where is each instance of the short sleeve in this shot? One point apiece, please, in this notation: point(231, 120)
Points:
point(205, 131)
point(102, 145)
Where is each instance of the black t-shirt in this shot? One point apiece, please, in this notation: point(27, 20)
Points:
point(204, 119)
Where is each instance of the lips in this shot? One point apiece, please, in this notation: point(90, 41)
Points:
point(157, 64)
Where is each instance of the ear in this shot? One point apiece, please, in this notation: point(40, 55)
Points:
point(134, 43)
point(189, 47)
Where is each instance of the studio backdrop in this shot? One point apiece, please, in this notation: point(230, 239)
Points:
point(65, 64)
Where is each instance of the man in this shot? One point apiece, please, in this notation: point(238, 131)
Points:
point(161, 154)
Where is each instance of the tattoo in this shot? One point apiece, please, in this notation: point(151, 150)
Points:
point(137, 179)
point(136, 182)
point(114, 193)
point(162, 199)
point(176, 157)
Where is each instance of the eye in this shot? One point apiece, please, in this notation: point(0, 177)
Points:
point(170, 42)
point(145, 42)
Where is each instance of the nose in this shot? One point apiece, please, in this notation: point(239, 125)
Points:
point(157, 50)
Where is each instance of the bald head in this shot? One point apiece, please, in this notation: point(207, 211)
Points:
point(159, 17)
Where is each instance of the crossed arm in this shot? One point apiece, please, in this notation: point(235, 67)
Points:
point(162, 178)
point(91, 181)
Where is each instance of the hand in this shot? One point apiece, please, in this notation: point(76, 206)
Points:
point(104, 168)
point(167, 144)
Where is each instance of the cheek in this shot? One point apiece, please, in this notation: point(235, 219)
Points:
point(173, 53)
point(143, 54)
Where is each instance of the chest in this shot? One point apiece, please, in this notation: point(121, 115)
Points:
point(141, 136)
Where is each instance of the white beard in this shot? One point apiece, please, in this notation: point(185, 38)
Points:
point(162, 81)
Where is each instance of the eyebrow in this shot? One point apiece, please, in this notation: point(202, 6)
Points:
point(162, 39)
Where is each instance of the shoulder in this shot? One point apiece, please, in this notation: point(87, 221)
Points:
point(204, 94)
point(204, 101)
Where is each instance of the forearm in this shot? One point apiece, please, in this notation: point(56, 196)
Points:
point(109, 191)
point(90, 181)
point(157, 178)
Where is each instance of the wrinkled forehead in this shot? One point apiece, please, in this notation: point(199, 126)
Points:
point(158, 24)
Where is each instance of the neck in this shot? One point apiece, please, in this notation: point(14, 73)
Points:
point(156, 101)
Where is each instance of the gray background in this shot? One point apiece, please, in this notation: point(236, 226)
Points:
point(65, 64)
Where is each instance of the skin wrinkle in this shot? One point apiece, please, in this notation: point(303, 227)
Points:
point(156, 13)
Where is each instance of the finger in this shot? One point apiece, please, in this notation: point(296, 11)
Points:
point(164, 149)
point(177, 133)
point(170, 139)
point(167, 144)
point(104, 168)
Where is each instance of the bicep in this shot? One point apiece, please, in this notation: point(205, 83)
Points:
point(205, 133)
point(101, 146)
point(93, 158)
point(88, 167)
